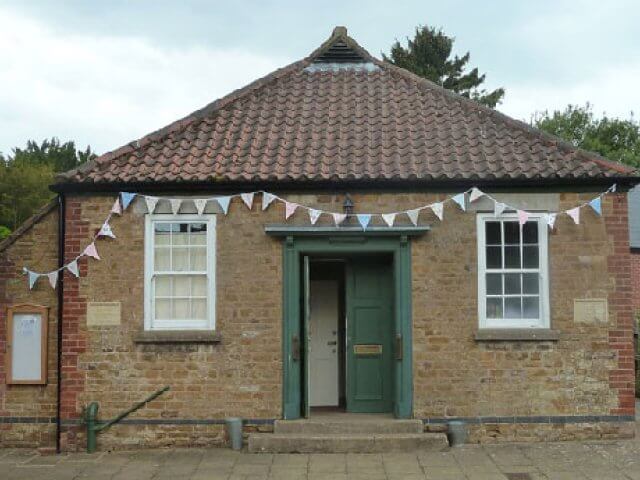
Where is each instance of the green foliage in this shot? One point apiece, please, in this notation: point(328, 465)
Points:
point(25, 177)
point(613, 138)
point(429, 55)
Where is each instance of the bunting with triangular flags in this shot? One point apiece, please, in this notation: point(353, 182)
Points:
point(289, 209)
point(151, 203)
point(116, 208)
point(105, 230)
point(91, 251)
point(127, 198)
point(73, 268)
point(364, 219)
point(224, 203)
point(389, 218)
point(267, 198)
point(33, 278)
point(438, 210)
point(475, 194)
point(314, 215)
point(596, 204)
point(53, 278)
point(459, 199)
point(247, 198)
point(498, 208)
point(522, 217)
point(551, 220)
point(575, 214)
point(338, 218)
point(201, 204)
point(175, 203)
point(413, 215)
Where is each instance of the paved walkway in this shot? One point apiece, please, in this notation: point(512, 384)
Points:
point(570, 461)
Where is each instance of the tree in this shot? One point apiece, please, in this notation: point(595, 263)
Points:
point(25, 177)
point(429, 55)
point(613, 138)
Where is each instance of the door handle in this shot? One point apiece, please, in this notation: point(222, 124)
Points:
point(398, 348)
point(295, 348)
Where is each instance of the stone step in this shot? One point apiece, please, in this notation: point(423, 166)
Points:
point(338, 426)
point(346, 443)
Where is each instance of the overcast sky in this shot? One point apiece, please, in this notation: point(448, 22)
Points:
point(106, 72)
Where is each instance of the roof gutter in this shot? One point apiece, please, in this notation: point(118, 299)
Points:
point(624, 182)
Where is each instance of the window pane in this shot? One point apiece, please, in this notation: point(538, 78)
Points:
point(494, 308)
point(199, 258)
point(199, 286)
point(512, 308)
point(530, 306)
point(530, 283)
point(182, 309)
point(162, 259)
point(511, 233)
point(199, 309)
point(494, 284)
point(163, 286)
point(494, 257)
point(180, 259)
point(492, 233)
point(512, 283)
point(163, 309)
point(180, 239)
point(181, 286)
point(511, 257)
point(530, 257)
point(198, 234)
point(530, 232)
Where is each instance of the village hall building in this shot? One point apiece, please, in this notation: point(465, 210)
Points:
point(340, 239)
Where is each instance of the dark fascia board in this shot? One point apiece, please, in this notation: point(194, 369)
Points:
point(624, 183)
point(377, 231)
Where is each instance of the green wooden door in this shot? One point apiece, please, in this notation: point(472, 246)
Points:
point(370, 327)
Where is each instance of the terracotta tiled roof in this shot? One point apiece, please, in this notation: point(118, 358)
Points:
point(338, 115)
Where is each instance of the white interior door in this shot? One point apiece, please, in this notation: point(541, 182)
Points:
point(323, 343)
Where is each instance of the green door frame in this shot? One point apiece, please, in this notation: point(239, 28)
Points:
point(299, 242)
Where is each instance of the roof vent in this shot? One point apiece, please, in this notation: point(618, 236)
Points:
point(339, 52)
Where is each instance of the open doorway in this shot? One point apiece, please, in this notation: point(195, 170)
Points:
point(326, 339)
point(349, 334)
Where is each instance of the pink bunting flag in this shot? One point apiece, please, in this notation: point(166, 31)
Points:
point(117, 208)
point(91, 251)
point(338, 218)
point(289, 209)
point(105, 231)
point(551, 220)
point(575, 214)
point(522, 217)
point(53, 278)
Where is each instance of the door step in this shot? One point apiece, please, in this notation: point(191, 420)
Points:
point(338, 425)
point(346, 442)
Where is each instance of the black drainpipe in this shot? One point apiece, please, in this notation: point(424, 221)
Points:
point(61, 232)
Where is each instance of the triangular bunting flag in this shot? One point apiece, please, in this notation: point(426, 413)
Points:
point(413, 215)
point(314, 215)
point(201, 204)
point(91, 251)
point(438, 209)
point(127, 198)
point(289, 208)
point(338, 218)
point(267, 198)
point(475, 194)
point(33, 278)
point(613, 188)
point(247, 198)
point(459, 199)
point(73, 268)
point(575, 214)
point(551, 220)
point(364, 220)
point(498, 208)
point(224, 203)
point(105, 231)
point(596, 204)
point(53, 278)
point(151, 203)
point(176, 203)
point(522, 217)
point(389, 218)
point(117, 208)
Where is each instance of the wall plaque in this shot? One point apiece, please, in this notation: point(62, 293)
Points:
point(101, 314)
point(590, 310)
point(26, 354)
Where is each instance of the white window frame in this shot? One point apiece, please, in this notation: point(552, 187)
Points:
point(149, 298)
point(542, 270)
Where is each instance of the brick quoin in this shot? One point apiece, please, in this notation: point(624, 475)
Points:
point(74, 307)
point(635, 276)
point(7, 269)
point(621, 303)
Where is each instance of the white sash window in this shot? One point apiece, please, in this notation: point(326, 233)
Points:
point(512, 272)
point(180, 272)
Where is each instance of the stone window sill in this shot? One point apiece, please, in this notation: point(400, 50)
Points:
point(517, 334)
point(178, 336)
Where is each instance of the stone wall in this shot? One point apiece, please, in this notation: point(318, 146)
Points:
point(581, 384)
point(27, 412)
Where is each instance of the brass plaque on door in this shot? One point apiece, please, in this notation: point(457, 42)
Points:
point(367, 349)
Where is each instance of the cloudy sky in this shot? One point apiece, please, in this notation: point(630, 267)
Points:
point(105, 73)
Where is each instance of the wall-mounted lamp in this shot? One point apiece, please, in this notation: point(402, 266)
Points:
point(347, 205)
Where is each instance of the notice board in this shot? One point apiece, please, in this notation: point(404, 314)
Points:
point(27, 344)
